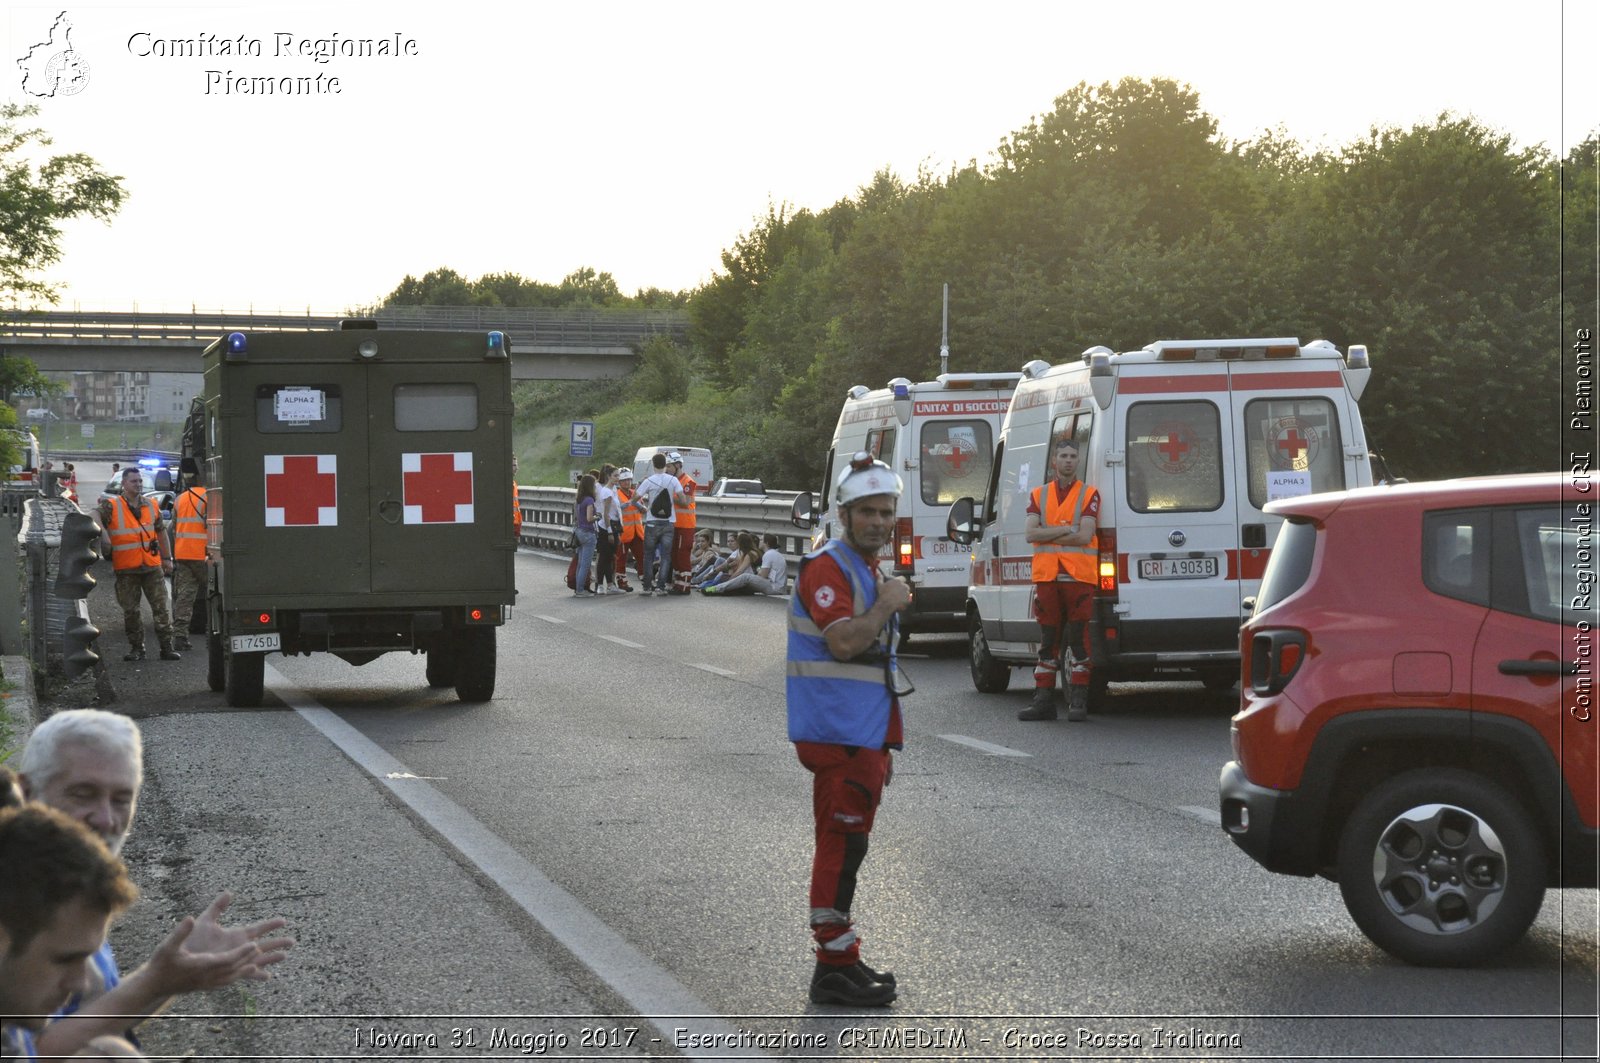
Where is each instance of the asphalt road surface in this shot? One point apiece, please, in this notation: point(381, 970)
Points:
point(610, 860)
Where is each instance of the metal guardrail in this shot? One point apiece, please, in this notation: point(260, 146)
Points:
point(547, 519)
point(531, 326)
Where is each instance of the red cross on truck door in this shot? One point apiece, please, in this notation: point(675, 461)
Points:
point(437, 488)
point(302, 490)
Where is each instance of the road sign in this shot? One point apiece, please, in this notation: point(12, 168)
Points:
point(88, 431)
point(582, 439)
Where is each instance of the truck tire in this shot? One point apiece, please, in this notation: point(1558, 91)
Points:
point(244, 680)
point(475, 662)
point(216, 671)
point(1442, 867)
point(988, 675)
point(441, 669)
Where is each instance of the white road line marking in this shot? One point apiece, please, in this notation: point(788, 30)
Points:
point(647, 987)
point(985, 747)
point(714, 670)
point(623, 642)
point(548, 619)
point(1209, 815)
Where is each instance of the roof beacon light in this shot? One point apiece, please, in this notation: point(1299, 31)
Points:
point(497, 345)
point(236, 347)
point(900, 388)
point(367, 349)
point(1357, 358)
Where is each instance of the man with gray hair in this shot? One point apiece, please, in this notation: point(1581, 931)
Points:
point(89, 764)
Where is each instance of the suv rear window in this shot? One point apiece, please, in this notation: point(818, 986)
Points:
point(1290, 564)
point(1455, 554)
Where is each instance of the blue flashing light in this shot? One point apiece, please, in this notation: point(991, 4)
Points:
point(150, 463)
point(902, 391)
point(497, 345)
point(236, 342)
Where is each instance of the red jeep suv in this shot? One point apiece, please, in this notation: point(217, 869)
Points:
point(1418, 719)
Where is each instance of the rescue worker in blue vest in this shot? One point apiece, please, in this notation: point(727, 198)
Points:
point(844, 715)
point(136, 538)
point(1063, 524)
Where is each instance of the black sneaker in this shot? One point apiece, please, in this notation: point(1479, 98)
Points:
point(850, 986)
point(133, 655)
point(1043, 707)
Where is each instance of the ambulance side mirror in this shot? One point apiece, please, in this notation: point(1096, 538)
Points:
point(961, 526)
point(801, 514)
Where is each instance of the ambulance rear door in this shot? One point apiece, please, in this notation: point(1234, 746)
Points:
point(1293, 420)
point(440, 453)
point(1176, 518)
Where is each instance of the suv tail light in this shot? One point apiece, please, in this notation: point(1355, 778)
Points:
point(1107, 564)
point(1275, 656)
point(905, 545)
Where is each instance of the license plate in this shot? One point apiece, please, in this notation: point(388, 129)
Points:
point(1177, 568)
point(257, 643)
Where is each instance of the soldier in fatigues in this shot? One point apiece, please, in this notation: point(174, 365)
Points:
point(136, 538)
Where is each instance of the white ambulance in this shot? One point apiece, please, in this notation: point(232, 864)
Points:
point(938, 436)
point(1186, 441)
point(696, 463)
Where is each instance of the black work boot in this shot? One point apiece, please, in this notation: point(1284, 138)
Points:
point(1077, 702)
point(850, 986)
point(134, 654)
point(1043, 707)
point(886, 977)
point(170, 654)
point(181, 643)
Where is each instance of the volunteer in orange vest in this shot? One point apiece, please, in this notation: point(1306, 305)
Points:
point(683, 522)
point(631, 542)
point(188, 558)
point(1063, 519)
point(136, 539)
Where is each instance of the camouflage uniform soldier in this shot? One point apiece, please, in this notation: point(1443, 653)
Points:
point(136, 538)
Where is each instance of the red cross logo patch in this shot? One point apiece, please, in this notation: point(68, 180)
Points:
point(302, 490)
point(437, 488)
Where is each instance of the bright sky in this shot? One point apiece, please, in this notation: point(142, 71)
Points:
point(642, 138)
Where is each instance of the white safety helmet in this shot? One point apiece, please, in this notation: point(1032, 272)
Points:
point(866, 476)
point(674, 458)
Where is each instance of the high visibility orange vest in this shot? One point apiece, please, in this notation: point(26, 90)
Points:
point(1052, 559)
point(684, 517)
point(632, 519)
point(189, 525)
point(516, 509)
point(133, 540)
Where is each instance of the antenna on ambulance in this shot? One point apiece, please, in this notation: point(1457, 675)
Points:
point(944, 336)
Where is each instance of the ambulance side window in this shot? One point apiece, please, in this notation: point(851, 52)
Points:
point(827, 484)
point(880, 441)
point(299, 409)
point(1293, 448)
point(1174, 457)
point(956, 457)
point(436, 407)
point(986, 504)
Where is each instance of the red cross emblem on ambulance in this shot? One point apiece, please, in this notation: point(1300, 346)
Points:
point(437, 488)
point(302, 490)
point(1294, 444)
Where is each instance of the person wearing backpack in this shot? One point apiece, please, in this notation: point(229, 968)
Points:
point(658, 498)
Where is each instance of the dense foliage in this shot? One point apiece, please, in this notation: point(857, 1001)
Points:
point(1119, 218)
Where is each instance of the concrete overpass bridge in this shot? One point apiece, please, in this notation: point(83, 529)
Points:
point(545, 344)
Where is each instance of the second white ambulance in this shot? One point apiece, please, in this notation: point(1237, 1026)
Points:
point(939, 437)
point(1186, 440)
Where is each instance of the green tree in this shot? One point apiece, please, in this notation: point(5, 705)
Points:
point(37, 197)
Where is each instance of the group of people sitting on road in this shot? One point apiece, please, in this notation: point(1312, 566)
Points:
point(653, 522)
point(64, 815)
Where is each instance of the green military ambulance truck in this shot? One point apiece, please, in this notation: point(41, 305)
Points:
point(357, 500)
